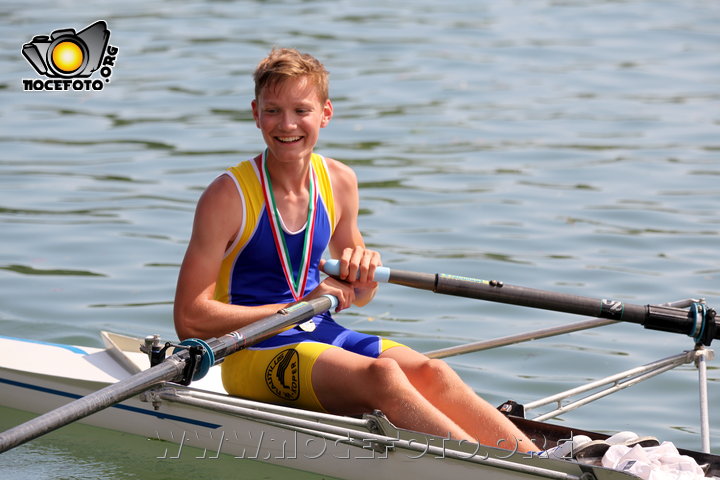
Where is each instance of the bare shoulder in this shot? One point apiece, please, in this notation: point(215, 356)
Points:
point(346, 196)
point(222, 186)
point(219, 210)
point(221, 193)
point(342, 176)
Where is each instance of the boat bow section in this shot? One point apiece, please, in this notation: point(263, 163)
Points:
point(34, 358)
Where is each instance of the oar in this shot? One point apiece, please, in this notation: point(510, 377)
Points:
point(187, 363)
point(697, 322)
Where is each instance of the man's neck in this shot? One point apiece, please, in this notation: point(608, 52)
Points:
point(288, 177)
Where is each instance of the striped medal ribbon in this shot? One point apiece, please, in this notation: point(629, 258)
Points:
point(296, 283)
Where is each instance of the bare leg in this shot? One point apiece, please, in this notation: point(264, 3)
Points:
point(444, 388)
point(347, 383)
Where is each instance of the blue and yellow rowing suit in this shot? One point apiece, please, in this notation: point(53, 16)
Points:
point(278, 370)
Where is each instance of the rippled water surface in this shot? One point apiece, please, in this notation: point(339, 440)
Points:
point(570, 146)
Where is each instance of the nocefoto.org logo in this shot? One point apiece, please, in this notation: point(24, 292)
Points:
point(68, 58)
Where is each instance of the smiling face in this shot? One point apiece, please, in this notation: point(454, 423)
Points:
point(290, 115)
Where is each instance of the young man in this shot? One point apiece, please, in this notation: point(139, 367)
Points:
point(259, 233)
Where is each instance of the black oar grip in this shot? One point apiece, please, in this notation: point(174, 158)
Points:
point(668, 319)
point(697, 322)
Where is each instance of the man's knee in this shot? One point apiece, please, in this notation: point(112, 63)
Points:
point(385, 371)
point(435, 373)
point(388, 388)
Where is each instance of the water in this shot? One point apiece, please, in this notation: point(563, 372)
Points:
point(568, 146)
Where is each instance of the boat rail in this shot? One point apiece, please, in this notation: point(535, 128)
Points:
point(700, 355)
point(371, 429)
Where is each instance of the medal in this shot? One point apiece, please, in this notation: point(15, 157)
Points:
point(296, 283)
point(308, 326)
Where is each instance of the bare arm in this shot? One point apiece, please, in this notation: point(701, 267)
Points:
point(347, 243)
point(218, 217)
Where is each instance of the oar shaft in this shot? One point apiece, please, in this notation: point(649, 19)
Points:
point(172, 369)
point(497, 291)
point(698, 322)
point(702, 327)
point(269, 326)
point(92, 403)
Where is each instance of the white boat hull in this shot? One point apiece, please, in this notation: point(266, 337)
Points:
point(39, 377)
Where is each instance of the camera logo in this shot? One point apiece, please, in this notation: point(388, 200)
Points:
point(67, 57)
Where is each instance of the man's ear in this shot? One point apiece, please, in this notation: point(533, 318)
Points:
point(254, 106)
point(327, 113)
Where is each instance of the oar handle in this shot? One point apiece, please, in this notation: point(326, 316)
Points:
point(332, 267)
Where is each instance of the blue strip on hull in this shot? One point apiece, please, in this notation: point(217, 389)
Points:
point(71, 348)
point(141, 411)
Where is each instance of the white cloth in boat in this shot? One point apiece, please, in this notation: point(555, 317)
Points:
point(663, 462)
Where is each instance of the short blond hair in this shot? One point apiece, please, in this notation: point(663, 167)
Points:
point(284, 63)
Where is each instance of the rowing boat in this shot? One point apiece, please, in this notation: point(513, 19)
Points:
point(38, 377)
point(142, 388)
